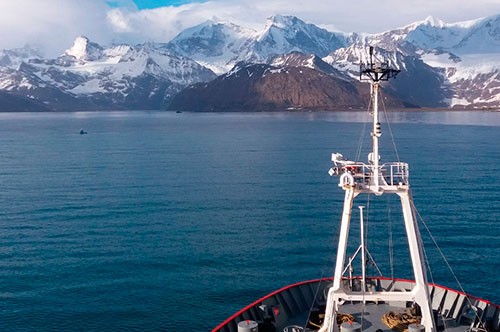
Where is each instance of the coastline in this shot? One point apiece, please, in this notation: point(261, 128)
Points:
point(294, 110)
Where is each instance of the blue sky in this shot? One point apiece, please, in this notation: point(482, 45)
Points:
point(149, 4)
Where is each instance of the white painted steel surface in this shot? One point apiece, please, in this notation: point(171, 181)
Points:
point(390, 178)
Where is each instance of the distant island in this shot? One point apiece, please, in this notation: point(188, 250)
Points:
point(289, 65)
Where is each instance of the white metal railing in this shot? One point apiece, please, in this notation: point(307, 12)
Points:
point(396, 173)
point(393, 173)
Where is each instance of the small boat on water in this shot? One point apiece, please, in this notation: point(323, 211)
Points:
point(83, 132)
point(348, 303)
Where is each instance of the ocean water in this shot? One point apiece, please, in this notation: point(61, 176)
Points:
point(168, 222)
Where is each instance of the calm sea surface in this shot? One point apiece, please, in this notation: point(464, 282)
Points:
point(170, 222)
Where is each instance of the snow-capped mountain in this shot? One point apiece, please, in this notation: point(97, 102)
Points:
point(474, 78)
point(460, 61)
point(418, 83)
point(470, 37)
point(262, 87)
point(284, 34)
point(109, 69)
point(297, 59)
point(215, 45)
point(469, 53)
point(219, 46)
point(13, 58)
point(348, 59)
point(91, 75)
point(442, 64)
point(84, 50)
point(292, 82)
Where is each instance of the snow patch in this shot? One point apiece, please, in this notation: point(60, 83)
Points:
point(89, 87)
point(277, 70)
point(468, 67)
point(83, 49)
point(459, 101)
point(310, 62)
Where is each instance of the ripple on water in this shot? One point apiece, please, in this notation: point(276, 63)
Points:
point(158, 221)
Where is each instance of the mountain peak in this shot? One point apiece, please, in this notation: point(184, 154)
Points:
point(429, 22)
point(286, 33)
point(433, 21)
point(210, 28)
point(298, 59)
point(84, 49)
point(282, 21)
point(14, 57)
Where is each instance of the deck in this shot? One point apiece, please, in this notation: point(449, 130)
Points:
point(294, 305)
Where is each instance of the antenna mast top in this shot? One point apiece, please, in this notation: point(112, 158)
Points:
point(376, 71)
point(373, 177)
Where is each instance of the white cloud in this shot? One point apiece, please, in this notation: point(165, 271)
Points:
point(164, 23)
point(119, 20)
point(51, 23)
point(55, 23)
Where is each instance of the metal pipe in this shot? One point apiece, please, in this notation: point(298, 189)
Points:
point(343, 238)
point(350, 272)
point(375, 136)
point(363, 258)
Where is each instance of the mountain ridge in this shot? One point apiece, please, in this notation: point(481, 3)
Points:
point(294, 82)
point(440, 63)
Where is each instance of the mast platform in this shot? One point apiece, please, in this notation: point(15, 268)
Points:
point(392, 177)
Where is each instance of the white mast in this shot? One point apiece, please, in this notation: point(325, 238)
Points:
point(372, 178)
point(376, 133)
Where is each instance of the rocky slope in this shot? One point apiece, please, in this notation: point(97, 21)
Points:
point(13, 103)
point(286, 85)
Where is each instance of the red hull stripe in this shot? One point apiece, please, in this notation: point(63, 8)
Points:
point(327, 279)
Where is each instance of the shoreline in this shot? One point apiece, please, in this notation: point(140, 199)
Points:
point(296, 110)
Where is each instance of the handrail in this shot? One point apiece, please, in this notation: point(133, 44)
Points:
point(394, 173)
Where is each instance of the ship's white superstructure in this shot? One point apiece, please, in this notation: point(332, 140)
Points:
point(373, 178)
point(369, 304)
